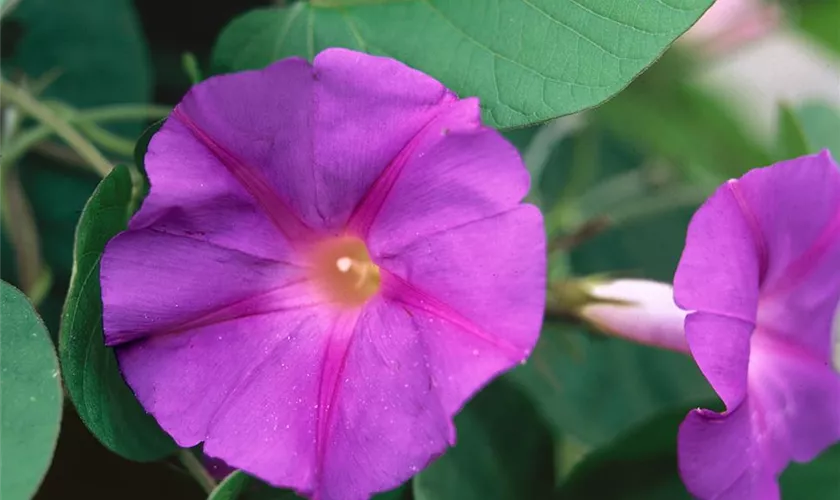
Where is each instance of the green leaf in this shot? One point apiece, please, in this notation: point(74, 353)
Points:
point(231, 487)
point(503, 451)
point(791, 136)
point(103, 400)
point(32, 397)
point(640, 464)
point(528, 60)
point(820, 123)
point(593, 388)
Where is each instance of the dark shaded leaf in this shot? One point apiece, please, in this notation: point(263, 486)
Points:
point(504, 451)
point(103, 400)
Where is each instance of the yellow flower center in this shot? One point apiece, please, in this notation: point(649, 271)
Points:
point(344, 270)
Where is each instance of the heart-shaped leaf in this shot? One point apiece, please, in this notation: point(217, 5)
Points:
point(103, 400)
point(528, 60)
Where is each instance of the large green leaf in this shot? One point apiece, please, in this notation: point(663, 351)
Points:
point(504, 452)
point(528, 60)
point(91, 375)
point(30, 415)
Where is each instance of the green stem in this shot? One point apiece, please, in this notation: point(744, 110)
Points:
point(29, 105)
point(106, 139)
point(123, 112)
point(18, 222)
point(197, 470)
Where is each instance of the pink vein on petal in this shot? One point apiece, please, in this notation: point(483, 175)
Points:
point(752, 222)
point(799, 269)
point(368, 208)
point(277, 210)
point(400, 290)
point(275, 300)
point(766, 338)
point(335, 360)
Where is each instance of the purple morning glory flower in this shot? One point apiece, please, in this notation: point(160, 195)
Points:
point(331, 260)
point(760, 274)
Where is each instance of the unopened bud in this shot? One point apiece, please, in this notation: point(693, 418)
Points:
point(638, 310)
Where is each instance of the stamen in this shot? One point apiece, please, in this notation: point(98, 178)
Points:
point(345, 272)
point(344, 264)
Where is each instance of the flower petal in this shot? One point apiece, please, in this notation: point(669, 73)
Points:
point(798, 395)
point(460, 172)
point(718, 460)
point(396, 380)
point(310, 140)
point(368, 110)
point(154, 283)
point(195, 196)
point(253, 124)
point(792, 413)
point(487, 277)
point(257, 368)
point(388, 422)
point(720, 346)
point(720, 265)
point(797, 205)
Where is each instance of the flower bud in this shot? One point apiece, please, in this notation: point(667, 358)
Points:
point(638, 310)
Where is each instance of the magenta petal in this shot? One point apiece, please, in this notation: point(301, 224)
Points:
point(462, 173)
point(252, 123)
point(798, 397)
point(368, 109)
point(192, 380)
point(355, 111)
point(387, 418)
point(792, 413)
point(798, 204)
point(719, 268)
point(193, 195)
point(718, 459)
point(720, 346)
point(500, 294)
point(149, 284)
